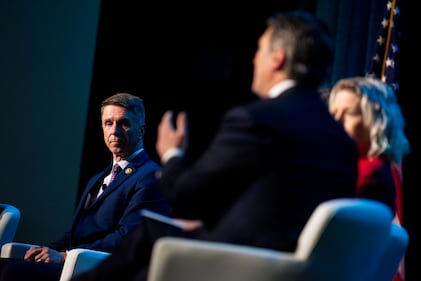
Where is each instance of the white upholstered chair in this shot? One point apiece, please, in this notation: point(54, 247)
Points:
point(344, 239)
point(9, 222)
point(79, 261)
point(394, 252)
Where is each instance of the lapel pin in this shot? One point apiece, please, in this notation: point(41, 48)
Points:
point(128, 171)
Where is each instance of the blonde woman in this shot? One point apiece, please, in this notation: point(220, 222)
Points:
point(369, 111)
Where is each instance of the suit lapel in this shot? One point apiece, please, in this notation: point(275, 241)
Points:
point(125, 174)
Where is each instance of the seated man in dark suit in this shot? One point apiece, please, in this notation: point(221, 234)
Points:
point(110, 206)
point(270, 164)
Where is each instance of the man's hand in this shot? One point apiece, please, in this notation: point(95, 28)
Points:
point(169, 137)
point(44, 254)
point(189, 225)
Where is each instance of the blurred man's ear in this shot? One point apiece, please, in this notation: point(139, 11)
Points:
point(278, 60)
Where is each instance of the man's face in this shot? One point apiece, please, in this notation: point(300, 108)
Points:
point(263, 65)
point(122, 131)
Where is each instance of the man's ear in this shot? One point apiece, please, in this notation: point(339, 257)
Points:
point(278, 58)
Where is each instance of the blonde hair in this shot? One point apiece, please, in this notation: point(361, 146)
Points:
point(381, 112)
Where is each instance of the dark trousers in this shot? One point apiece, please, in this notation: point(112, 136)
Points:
point(20, 270)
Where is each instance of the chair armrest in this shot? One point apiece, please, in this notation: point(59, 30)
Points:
point(179, 259)
point(79, 261)
point(9, 222)
point(15, 249)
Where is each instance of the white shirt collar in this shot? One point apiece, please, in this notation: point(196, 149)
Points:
point(281, 87)
point(124, 163)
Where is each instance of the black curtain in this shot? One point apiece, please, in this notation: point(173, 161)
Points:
point(355, 25)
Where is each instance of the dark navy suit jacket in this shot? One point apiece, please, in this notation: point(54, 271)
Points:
point(102, 224)
point(270, 164)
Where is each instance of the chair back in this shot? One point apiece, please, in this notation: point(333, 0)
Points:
point(344, 239)
point(394, 253)
point(9, 221)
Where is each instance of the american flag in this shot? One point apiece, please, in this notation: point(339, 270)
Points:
point(385, 66)
point(385, 62)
